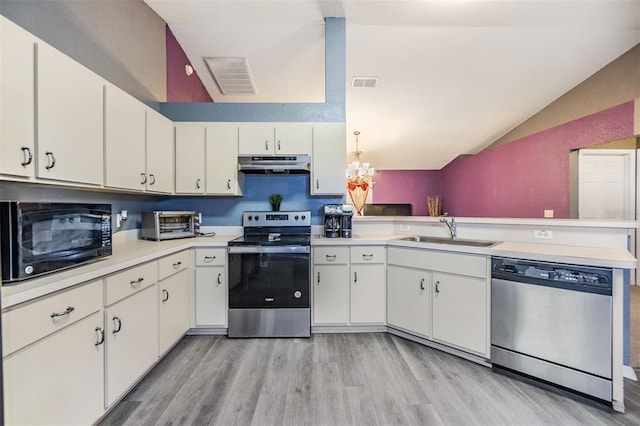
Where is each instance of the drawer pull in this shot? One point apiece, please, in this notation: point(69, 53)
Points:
point(219, 279)
point(209, 258)
point(367, 256)
point(28, 157)
point(143, 178)
point(437, 286)
point(51, 160)
point(228, 183)
point(355, 277)
point(152, 178)
point(422, 284)
point(166, 295)
point(318, 277)
point(61, 314)
point(118, 327)
point(330, 257)
point(177, 265)
point(100, 339)
point(136, 282)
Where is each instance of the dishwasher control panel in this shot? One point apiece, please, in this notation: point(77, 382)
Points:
point(546, 273)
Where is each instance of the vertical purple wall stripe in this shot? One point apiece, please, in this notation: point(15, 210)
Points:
point(519, 179)
point(180, 86)
point(527, 176)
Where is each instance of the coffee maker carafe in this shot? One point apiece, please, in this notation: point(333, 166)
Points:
point(332, 220)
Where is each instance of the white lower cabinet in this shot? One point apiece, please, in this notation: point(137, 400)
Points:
point(131, 326)
point(57, 375)
point(331, 294)
point(211, 288)
point(174, 299)
point(460, 311)
point(408, 299)
point(368, 285)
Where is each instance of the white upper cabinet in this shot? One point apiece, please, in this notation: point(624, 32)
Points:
point(124, 140)
point(69, 119)
point(190, 158)
point(222, 160)
point(275, 139)
point(17, 67)
point(328, 159)
point(160, 155)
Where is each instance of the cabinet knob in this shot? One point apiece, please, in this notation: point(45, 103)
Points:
point(63, 313)
point(117, 325)
point(51, 160)
point(28, 157)
point(100, 337)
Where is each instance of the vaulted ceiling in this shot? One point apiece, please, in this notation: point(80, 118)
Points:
point(453, 75)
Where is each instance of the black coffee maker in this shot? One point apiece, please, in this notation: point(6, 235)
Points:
point(332, 220)
point(347, 215)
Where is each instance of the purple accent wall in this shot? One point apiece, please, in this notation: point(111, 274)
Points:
point(180, 86)
point(406, 186)
point(524, 177)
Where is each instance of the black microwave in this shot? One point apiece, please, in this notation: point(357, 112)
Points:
point(39, 238)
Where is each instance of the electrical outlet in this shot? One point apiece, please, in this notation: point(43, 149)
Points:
point(542, 234)
point(548, 213)
point(404, 227)
point(118, 220)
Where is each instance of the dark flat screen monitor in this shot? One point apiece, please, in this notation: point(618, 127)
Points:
point(387, 209)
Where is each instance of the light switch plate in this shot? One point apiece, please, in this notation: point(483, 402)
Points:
point(404, 227)
point(548, 213)
point(542, 234)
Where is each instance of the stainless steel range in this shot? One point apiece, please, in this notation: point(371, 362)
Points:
point(269, 276)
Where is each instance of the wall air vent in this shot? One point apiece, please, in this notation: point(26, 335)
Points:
point(232, 75)
point(364, 81)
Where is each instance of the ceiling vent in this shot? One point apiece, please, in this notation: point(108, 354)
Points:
point(364, 81)
point(232, 75)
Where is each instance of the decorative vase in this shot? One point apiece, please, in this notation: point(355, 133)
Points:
point(275, 207)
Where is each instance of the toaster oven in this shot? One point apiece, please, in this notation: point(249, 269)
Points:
point(167, 225)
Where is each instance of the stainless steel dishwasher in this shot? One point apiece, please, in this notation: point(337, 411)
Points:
point(553, 322)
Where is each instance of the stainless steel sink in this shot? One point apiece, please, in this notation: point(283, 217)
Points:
point(456, 242)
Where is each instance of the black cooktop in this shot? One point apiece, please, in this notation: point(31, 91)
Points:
point(273, 240)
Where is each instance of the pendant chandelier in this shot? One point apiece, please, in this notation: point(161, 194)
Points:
point(359, 179)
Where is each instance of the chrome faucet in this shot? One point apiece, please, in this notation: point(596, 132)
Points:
point(451, 225)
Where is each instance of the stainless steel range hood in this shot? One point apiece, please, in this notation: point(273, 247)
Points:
point(252, 164)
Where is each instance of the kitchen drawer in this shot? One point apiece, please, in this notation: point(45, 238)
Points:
point(211, 257)
point(123, 284)
point(171, 264)
point(368, 254)
point(330, 255)
point(31, 321)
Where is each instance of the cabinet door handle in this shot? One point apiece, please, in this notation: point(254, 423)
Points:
point(330, 257)
point(65, 312)
point(318, 277)
point(209, 258)
point(266, 145)
point(367, 256)
point(422, 284)
point(100, 337)
point(219, 279)
point(136, 282)
point(28, 157)
point(177, 265)
point(228, 183)
point(317, 183)
point(279, 147)
point(437, 286)
point(143, 177)
point(117, 325)
point(51, 160)
point(153, 179)
point(198, 184)
point(355, 277)
point(166, 295)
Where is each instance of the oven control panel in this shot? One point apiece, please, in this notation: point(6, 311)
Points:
point(292, 218)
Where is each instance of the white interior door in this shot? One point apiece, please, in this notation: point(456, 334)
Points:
point(606, 184)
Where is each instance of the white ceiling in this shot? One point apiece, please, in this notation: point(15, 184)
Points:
point(454, 75)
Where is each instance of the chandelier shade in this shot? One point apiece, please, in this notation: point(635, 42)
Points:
point(359, 179)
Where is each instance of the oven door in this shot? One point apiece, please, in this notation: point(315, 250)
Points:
point(269, 277)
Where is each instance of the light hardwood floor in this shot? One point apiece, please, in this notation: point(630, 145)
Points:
point(357, 379)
